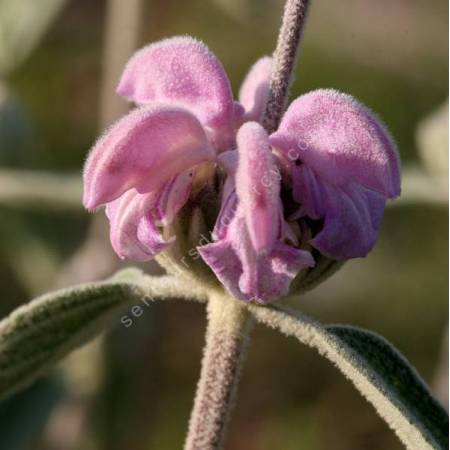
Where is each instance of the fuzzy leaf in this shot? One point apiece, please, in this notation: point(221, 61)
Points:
point(38, 334)
point(374, 355)
point(380, 373)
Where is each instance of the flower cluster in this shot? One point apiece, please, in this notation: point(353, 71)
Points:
point(317, 184)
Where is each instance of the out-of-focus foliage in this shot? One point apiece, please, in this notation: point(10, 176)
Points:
point(24, 416)
point(15, 129)
point(432, 138)
point(22, 25)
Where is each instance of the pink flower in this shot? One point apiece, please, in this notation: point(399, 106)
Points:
point(316, 187)
point(143, 166)
point(338, 166)
point(255, 256)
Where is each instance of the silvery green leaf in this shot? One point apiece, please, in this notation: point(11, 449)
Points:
point(380, 373)
point(22, 24)
point(374, 355)
point(38, 334)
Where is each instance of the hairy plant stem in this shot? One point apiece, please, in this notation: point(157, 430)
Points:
point(284, 60)
point(227, 336)
point(229, 322)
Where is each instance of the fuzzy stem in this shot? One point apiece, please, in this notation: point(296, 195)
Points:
point(229, 323)
point(226, 341)
point(284, 60)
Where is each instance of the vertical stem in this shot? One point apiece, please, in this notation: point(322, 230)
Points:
point(226, 340)
point(228, 322)
point(285, 57)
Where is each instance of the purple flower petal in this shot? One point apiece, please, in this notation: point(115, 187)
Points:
point(255, 89)
point(173, 197)
point(248, 276)
point(309, 191)
point(149, 235)
point(143, 150)
point(352, 215)
point(258, 186)
point(229, 160)
point(341, 140)
point(181, 70)
point(129, 213)
point(227, 211)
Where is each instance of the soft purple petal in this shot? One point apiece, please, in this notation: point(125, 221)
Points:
point(229, 160)
point(125, 216)
point(149, 235)
point(352, 215)
point(258, 186)
point(226, 265)
point(341, 140)
point(143, 150)
point(182, 70)
point(248, 276)
point(309, 191)
point(227, 211)
point(173, 197)
point(238, 114)
point(255, 89)
point(352, 225)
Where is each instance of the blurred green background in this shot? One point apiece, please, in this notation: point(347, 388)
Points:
point(133, 388)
